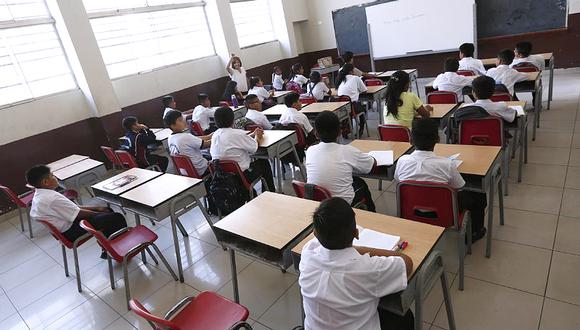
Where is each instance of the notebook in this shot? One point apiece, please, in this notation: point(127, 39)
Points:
point(374, 239)
point(456, 161)
point(519, 110)
point(383, 157)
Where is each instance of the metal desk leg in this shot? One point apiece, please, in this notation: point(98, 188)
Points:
point(522, 145)
point(234, 275)
point(490, 214)
point(551, 87)
point(417, 84)
point(138, 223)
point(176, 244)
point(278, 163)
point(500, 198)
point(447, 299)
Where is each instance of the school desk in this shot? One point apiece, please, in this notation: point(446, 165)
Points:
point(279, 96)
point(374, 95)
point(239, 112)
point(427, 263)
point(80, 174)
point(167, 195)
point(341, 109)
point(163, 137)
point(103, 191)
point(386, 76)
point(533, 85)
point(328, 70)
point(64, 162)
point(481, 171)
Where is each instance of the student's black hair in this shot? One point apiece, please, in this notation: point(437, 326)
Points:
point(167, 99)
point(128, 122)
point(506, 56)
point(315, 77)
point(483, 87)
point(224, 117)
point(291, 98)
point(202, 97)
point(343, 72)
point(254, 81)
point(327, 126)
point(171, 117)
point(36, 174)
point(334, 224)
point(467, 49)
point(229, 90)
point(451, 64)
point(347, 56)
point(295, 70)
point(425, 134)
point(275, 68)
point(249, 99)
point(397, 84)
point(524, 48)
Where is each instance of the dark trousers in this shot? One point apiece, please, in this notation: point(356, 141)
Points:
point(362, 193)
point(358, 108)
point(107, 223)
point(261, 167)
point(391, 321)
point(160, 161)
point(212, 128)
point(476, 203)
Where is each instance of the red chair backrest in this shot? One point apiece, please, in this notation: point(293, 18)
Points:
point(225, 103)
point(160, 324)
point(195, 128)
point(481, 131)
point(526, 67)
point(394, 133)
point(374, 82)
point(185, 167)
point(441, 97)
point(231, 166)
point(467, 73)
point(103, 241)
point(59, 236)
point(310, 191)
point(499, 97)
point(11, 195)
point(110, 154)
point(126, 159)
point(345, 98)
point(427, 202)
point(307, 99)
point(300, 135)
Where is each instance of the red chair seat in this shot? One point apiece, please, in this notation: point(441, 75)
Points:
point(70, 194)
point(133, 237)
point(208, 311)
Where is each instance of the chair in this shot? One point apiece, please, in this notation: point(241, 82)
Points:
point(374, 82)
point(128, 161)
point(394, 133)
point(501, 97)
point(22, 202)
point(308, 99)
point(206, 311)
point(123, 245)
point(195, 128)
point(501, 88)
point(467, 73)
point(526, 67)
point(112, 157)
point(353, 114)
point(442, 97)
point(231, 166)
point(310, 191)
point(435, 204)
point(66, 244)
point(184, 167)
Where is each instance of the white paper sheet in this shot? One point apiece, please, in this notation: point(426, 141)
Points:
point(374, 239)
point(383, 157)
point(519, 109)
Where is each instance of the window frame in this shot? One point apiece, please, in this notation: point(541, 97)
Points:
point(257, 43)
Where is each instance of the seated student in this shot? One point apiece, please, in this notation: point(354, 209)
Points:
point(203, 113)
point(342, 284)
point(254, 106)
point(316, 87)
point(403, 106)
point(352, 85)
point(237, 73)
point(292, 114)
point(257, 88)
point(466, 60)
point(52, 206)
point(146, 137)
point(523, 53)
point(332, 165)
point(228, 143)
point(423, 165)
point(170, 104)
point(232, 90)
point(297, 75)
point(483, 88)
point(450, 81)
point(505, 75)
point(277, 79)
point(348, 57)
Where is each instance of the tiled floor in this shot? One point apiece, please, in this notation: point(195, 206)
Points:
point(530, 282)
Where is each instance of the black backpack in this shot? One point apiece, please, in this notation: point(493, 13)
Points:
point(226, 191)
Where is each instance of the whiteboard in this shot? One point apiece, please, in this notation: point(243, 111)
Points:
point(415, 27)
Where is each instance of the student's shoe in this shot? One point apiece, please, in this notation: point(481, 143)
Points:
point(478, 235)
point(104, 255)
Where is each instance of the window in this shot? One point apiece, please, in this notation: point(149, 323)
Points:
point(253, 21)
point(32, 61)
point(140, 35)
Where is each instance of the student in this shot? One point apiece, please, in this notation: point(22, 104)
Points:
point(297, 75)
point(332, 165)
point(232, 89)
point(257, 88)
point(203, 113)
point(402, 106)
point(292, 114)
point(277, 79)
point(254, 106)
point(450, 81)
point(523, 53)
point(228, 143)
point(483, 88)
point(505, 75)
point(237, 73)
point(352, 85)
point(139, 133)
point(423, 165)
point(169, 104)
point(52, 206)
point(317, 88)
point(467, 62)
point(348, 57)
point(342, 284)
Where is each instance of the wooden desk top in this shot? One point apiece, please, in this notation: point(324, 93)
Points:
point(388, 74)
point(491, 61)
point(274, 136)
point(281, 93)
point(271, 219)
point(509, 103)
point(64, 162)
point(142, 177)
point(399, 148)
point(231, 107)
point(276, 110)
point(441, 110)
point(477, 160)
point(160, 189)
point(374, 89)
point(163, 134)
point(421, 237)
point(318, 107)
point(76, 168)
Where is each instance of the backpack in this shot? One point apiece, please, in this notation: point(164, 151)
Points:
point(226, 191)
point(294, 87)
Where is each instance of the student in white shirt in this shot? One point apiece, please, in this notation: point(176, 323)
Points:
point(466, 60)
point(523, 53)
point(292, 114)
point(332, 165)
point(503, 74)
point(341, 284)
point(483, 88)
point(297, 75)
point(170, 104)
point(450, 81)
point(257, 88)
point(203, 113)
point(352, 85)
point(348, 57)
point(316, 87)
point(228, 143)
point(423, 165)
point(237, 73)
point(277, 79)
point(254, 106)
point(52, 206)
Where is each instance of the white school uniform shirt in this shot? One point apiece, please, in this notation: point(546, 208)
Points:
point(240, 78)
point(55, 208)
point(318, 91)
point(352, 87)
point(277, 82)
point(259, 118)
point(167, 110)
point(189, 145)
point(452, 82)
point(497, 109)
point(300, 79)
point(426, 166)
point(233, 144)
point(537, 60)
point(341, 289)
point(293, 116)
point(202, 115)
point(331, 166)
point(473, 64)
point(261, 92)
point(507, 76)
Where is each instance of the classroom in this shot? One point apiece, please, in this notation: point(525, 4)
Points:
point(290, 164)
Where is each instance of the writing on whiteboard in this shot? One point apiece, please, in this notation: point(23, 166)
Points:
point(403, 19)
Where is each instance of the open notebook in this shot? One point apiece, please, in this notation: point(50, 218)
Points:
point(383, 157)
point(374, 239)
point(519, 109)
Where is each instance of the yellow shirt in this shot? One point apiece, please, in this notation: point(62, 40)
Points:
point(406, 112)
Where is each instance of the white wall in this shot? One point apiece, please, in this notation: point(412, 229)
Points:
point(573, 6)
